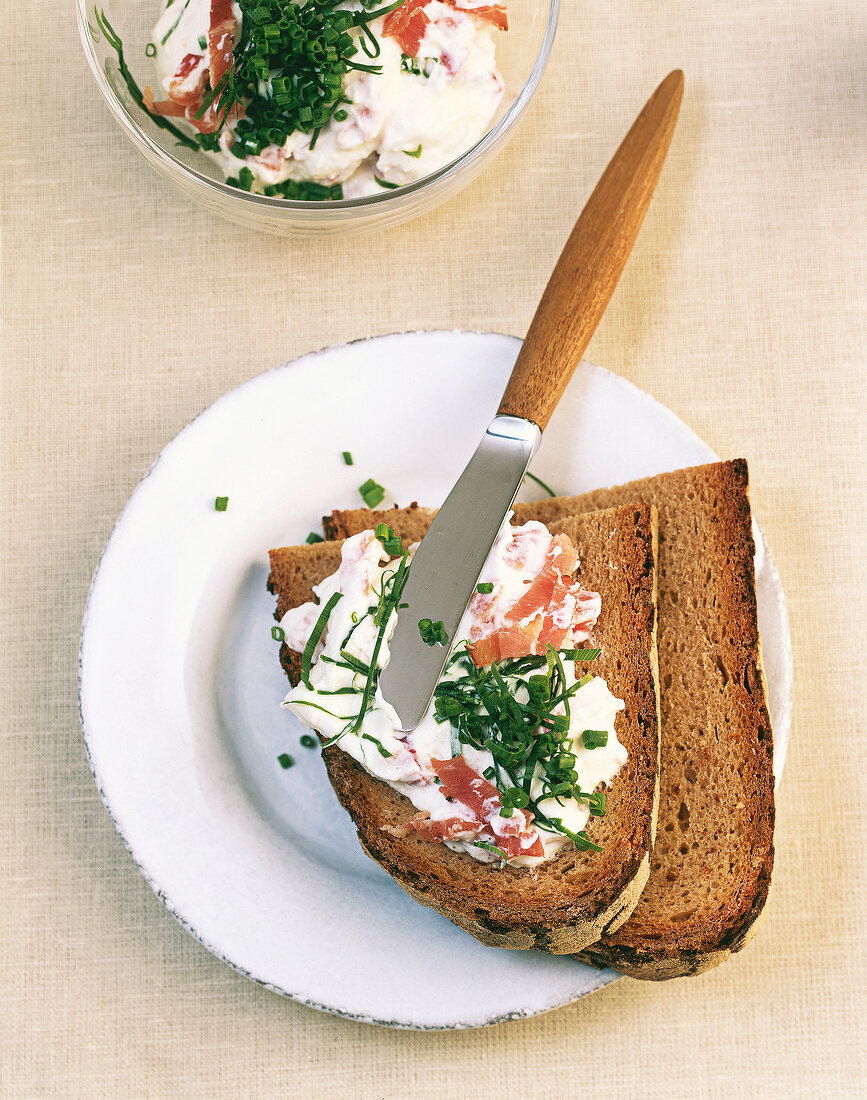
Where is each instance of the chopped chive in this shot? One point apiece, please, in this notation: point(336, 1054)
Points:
point(581, 840)
point(515, 797)
point(308, 742)
point(492, 848)
point(150, 50)
point(584, 680)
point(174, 25)
point(347, 458)
point(485, 587)
point(413, 152)
point(390, 542)
point(580, 654)
point(313, 640)
point(433, 633)
point(113, 40)
point(386, 183)
point(595, 739)
point(539, 481)
point(203, 42)
point(313, 538)
point(305, 50)
point(383, 751)
point(285, 760)
point(371, 493)
point(221, 504)
point(278, 633)
point(596, 804)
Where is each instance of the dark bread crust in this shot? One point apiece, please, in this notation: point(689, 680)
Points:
point(717, 785)
point(567, 904)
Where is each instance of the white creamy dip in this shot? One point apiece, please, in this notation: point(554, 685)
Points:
point(403, 123)
point(518, 556)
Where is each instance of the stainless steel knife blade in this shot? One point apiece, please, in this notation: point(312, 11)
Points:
point(447, 564)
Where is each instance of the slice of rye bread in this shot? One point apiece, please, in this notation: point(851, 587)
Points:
point(567, 904)
point(714, 851)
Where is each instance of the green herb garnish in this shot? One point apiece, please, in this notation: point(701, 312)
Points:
point(539, 481)
point(288, 67)
point(413, 152)
point(485, 587)
point(596, 804)
point(383, 751)
point(492, 848)
point(433, 633)
point(595, 739)
point(580, 654)
point(278, 633)
point(285, 760)
point(313, 538)
point(347, 458)
point(313, 640)
point(308, 741)
point(581, 840)
point(529, 741)
point(286, 77)
point(174, 25)
point(386, 183)
point(410, 65)
point(113, 39)
point(390, 542)
point(303, 190)
point(393, 583)
point(371, 493)
point(221, 504)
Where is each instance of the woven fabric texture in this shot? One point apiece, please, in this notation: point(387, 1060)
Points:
point(127, 310)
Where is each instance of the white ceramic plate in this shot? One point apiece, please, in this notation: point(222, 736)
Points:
point(181, 687)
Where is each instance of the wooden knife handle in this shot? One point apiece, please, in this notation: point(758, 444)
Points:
point(586, 274)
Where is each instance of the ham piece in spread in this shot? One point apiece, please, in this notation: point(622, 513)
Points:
point(409, 24)
point(552, 607)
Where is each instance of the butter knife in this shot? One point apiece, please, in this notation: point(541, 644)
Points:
point(447, 564)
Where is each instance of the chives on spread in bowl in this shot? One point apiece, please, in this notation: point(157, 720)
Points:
point(309, 115)
point(311, 99)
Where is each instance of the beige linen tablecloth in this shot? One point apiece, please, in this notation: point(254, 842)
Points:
point(127, 310)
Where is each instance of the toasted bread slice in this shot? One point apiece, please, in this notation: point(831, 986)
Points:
point(714, 850)
point(566, 905)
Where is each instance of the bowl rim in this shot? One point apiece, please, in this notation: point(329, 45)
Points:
point(90, 34)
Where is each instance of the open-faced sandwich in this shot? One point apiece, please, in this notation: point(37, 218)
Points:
point(524, 807)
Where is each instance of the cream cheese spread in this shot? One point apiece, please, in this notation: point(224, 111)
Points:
point(425, 765)
point(412, 117)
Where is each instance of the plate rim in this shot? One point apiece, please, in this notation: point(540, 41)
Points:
point(602, 977)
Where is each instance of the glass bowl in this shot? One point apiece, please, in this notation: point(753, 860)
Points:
point(522, 54)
